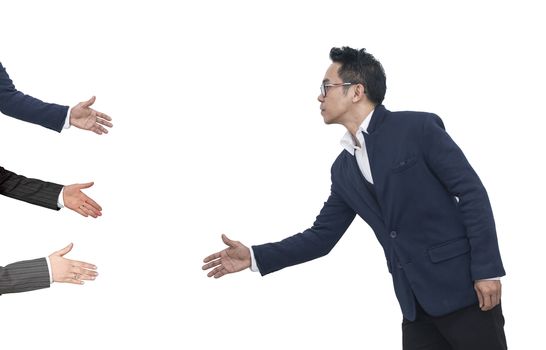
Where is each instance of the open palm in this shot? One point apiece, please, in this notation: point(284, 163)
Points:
point(232, 259)
point(84, 117)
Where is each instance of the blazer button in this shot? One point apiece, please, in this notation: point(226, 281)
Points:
point(393, 234)
point(399, 265)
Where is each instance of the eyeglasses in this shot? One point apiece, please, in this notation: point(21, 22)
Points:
point(324, 87)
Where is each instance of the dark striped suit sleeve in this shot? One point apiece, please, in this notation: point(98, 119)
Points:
point(32, 191)
point(24, 276)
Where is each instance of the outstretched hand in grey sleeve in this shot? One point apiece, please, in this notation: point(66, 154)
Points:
point(70, 271)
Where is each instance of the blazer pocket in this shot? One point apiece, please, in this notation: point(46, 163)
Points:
point(405, 164)
point(449, 250)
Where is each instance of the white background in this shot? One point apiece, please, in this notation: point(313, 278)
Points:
point(218, 130)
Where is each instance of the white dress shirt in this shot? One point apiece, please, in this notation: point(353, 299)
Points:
point(360, 152)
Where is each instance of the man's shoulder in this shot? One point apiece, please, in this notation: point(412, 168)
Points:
point(341, 161)
point(412, 121)
point(412, 116)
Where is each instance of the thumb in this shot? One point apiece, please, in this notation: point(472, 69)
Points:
point(89, 102)
point(228, 241)
point(64, 251)
point(86, 185)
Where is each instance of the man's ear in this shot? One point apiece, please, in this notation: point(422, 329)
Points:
point(359, 92)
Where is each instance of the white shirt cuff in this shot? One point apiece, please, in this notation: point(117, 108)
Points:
point(49, 270)
point(491, 279)
point(60, 201)
point(67, 119)
point(253, 266)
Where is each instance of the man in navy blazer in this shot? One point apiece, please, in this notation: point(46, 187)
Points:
point(49, 115)
point(404, 175)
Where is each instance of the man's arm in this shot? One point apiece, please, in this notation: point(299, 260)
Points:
point(49, 115)
point(449, 164)
point(38, 192)
point(25, 276)
point(451, 167)
point(332, 222)
point(27, 108)
point(47, 194)
point(315, 242)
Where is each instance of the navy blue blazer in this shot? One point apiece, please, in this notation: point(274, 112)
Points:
point(427, 207)
point(27, 108)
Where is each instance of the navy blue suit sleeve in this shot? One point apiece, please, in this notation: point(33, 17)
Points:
point(32, 191)
point(27, 108)
point(330, 225)
point(448, 163)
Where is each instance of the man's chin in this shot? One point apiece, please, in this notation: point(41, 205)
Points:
point(325, 118)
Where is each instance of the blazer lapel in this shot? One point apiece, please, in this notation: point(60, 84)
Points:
point(362, 189)
point(378, 117)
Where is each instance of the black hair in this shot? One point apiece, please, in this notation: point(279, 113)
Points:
point(359, 66)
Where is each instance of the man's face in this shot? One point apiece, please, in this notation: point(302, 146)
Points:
point(336, 103)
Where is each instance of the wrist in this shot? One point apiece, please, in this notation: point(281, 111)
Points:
point(68, 119)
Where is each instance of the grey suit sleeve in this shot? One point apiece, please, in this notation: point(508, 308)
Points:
point(32, 191)
point(24, 276)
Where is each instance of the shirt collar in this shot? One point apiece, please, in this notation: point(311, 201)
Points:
point(347, 140)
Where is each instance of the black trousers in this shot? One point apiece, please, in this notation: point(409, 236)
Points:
point(465, 329)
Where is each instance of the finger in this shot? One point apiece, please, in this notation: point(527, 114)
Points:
point(95, 210)
point(88, 211)
point(211, 257)
point(91, 202)
point(87, 278)
point(81, 212)
point(64, 251)
point(215, 271)
point(84, 274)
point(89, 102)
point(487, 302)
point(104, 120)
point(228, 241)
point(92, 213)
point(82, 264)
point(212, 264)
point(220, 273)
point(96, 130)
point(480, 297)
point(495, 298)
point(106, 117)
point(72, 280)
point(100, 130)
